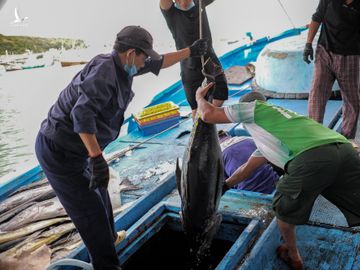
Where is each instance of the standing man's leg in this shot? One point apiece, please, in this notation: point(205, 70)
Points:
point(221, 92)
point(322, 84)
point(192, 80)
point(348, 76)
point(193, 114)
point(90, 211)
point(190, 97)
point(219, 96)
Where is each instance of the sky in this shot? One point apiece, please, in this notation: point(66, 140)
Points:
point(97, 22)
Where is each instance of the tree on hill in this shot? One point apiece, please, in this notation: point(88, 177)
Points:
point(21, 44)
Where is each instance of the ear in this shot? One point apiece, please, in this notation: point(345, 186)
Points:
point(129, 51)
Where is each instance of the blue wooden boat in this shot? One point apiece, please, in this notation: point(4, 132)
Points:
point(248, 235)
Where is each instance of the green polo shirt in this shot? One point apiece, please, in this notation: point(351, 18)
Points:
point(280, 134)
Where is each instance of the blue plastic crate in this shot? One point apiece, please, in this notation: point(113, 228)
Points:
point(158, 126)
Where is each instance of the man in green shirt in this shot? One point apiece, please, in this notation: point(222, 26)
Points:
point(316, 161)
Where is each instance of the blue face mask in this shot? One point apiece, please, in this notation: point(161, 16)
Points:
point(192, 4)
point(131, 70)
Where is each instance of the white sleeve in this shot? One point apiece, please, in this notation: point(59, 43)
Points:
point(242, 112)
point(228, 114)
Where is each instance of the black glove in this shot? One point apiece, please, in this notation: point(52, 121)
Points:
point(199, 47)
point(225, 188)
point(308, 51)
point(99, 172)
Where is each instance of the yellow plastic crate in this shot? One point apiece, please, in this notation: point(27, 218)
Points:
point(157, 112)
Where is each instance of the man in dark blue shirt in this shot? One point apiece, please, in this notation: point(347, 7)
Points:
point(337, 58)
point(86, 117)
point(182, 18)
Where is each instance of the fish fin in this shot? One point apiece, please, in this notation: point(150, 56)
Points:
point(178, 176)
point(185, 132)
point(126, 185)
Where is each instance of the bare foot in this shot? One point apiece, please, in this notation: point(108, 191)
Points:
point(294, 261)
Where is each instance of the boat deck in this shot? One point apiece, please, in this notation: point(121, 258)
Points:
point(151, 167)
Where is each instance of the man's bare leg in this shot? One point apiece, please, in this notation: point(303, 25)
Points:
point(288, 233)
point(193, 114)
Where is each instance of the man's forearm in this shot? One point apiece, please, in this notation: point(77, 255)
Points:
point(175, 57)
point(91, 144)
point(245, 171)
point(237, 177)
point(313, 28)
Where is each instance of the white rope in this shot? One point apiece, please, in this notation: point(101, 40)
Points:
point(283, 8)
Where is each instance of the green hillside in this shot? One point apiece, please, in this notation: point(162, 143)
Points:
point(19, 44)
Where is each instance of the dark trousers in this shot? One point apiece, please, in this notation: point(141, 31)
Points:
point(90, 211)
point(332, 170)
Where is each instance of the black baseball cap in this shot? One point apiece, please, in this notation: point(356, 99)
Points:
point(137, 37)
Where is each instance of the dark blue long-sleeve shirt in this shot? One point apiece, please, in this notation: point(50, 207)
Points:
point(94, 102)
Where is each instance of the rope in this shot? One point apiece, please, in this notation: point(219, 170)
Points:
point(237, 92)
point(201, 30)
point(289, 18)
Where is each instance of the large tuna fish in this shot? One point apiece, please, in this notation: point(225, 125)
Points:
point(200, 185)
